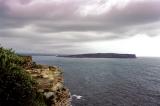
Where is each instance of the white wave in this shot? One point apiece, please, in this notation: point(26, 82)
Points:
point(77, 97)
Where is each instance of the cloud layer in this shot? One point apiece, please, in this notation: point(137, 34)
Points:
point(56, 26)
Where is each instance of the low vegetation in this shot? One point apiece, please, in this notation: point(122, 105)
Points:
point(17, 88)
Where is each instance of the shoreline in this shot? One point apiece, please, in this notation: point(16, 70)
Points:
point(50, 83)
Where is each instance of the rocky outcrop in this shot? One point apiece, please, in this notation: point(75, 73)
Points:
point(50, 83)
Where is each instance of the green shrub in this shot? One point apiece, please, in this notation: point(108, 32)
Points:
point(17, 88)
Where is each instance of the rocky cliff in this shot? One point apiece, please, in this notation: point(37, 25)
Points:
point(50, 83)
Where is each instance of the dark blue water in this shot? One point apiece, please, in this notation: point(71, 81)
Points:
point(110, 82)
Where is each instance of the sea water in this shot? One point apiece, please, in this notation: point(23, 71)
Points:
point(108, 81)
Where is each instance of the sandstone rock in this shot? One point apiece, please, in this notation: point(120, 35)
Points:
point(49, 94)
point(50, 83)
point(57, 86)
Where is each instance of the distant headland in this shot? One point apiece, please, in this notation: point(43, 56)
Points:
point(100, 55)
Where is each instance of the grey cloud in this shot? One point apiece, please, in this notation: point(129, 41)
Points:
point(137, 13)
point(134, 15)
point(61, 26)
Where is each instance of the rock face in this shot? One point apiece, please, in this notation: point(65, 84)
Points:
point(51, 84)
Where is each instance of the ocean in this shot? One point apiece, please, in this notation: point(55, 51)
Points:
point(108, 81)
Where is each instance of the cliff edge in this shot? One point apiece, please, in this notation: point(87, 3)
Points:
point(50, 83)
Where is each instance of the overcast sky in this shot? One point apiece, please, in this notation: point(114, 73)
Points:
point(81, 26)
